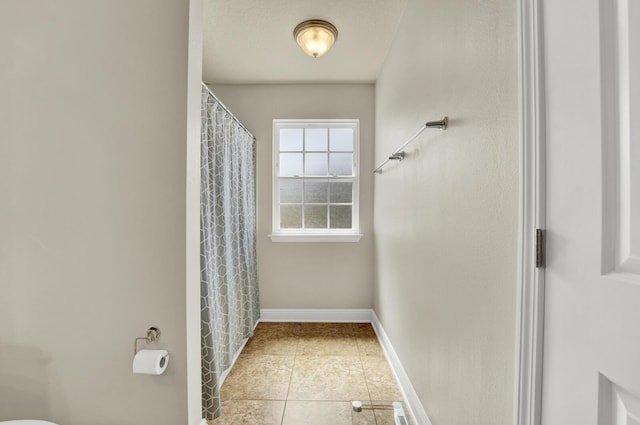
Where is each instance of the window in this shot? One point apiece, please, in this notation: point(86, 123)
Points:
point(315, 180)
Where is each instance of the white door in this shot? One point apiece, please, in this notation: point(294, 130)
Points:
point(591, 371)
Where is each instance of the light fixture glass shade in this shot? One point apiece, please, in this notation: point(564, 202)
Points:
point(315, 37)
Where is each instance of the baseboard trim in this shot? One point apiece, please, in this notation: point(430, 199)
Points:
point(413, 404)
point(316, 315)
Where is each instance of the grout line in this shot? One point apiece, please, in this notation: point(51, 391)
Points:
point(373, 412)
point(295, 356)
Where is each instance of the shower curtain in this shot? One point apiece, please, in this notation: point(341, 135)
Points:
point(229, 281)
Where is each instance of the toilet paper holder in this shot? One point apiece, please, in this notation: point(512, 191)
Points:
point(153, 333)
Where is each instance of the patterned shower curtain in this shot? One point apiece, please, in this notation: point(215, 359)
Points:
point(229, 281)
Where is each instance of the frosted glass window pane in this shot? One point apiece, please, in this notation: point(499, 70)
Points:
point(315, 164)
point(341, 139)
point(341, 192)
point(291, 139)
point(315, 217)
point(291, 164)
point(291, 216)
point(291, 192)
point(340, 164)
point(340, 216)
point(316, 192)
point(315, 139)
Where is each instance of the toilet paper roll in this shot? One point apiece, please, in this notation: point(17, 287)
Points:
point(150, 362)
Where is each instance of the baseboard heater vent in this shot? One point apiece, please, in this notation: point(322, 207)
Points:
point(398, 414)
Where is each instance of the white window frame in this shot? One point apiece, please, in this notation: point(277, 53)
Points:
point(315, 235)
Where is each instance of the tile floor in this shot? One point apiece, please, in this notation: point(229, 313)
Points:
point(308, 374)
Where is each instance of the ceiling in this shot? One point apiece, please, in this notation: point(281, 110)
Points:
point(251, 41)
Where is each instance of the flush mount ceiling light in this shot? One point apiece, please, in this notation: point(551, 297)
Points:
point(315, 37)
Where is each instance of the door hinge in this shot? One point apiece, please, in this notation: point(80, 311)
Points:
point(540, 251)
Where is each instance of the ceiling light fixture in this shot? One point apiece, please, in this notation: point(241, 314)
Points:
point(315, 37)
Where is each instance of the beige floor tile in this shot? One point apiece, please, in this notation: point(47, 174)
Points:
point(369, 347)
point(363, 330)
point(277, 328)
point(384, 417)
point(367, 340)
point(250, 412)
point(258, 377)
point(380, 380)
point(273, 338)
point(327, 346)
point(324, 413)
point(326, 329)
point(365, 417)
point(328, 378)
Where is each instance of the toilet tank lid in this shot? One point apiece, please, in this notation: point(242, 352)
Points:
point(26, 422)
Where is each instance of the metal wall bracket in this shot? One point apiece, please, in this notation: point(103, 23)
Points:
point(441, 124)
point(153, 333)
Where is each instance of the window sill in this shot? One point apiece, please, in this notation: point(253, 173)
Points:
point(293, 237)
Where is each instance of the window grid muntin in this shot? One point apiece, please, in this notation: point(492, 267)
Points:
point(328, 153)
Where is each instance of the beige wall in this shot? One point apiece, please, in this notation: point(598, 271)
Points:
point(93, 122)
point(446, 217)
point(309, 275)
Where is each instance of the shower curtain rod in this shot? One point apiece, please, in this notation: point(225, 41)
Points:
point(222, 105)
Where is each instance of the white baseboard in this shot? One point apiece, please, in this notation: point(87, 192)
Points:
point(316, 315)
point(413, 405)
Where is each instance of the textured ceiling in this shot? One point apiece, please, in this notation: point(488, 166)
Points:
point(251, 41)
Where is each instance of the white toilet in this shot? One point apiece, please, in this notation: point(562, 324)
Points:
point(26, 422)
